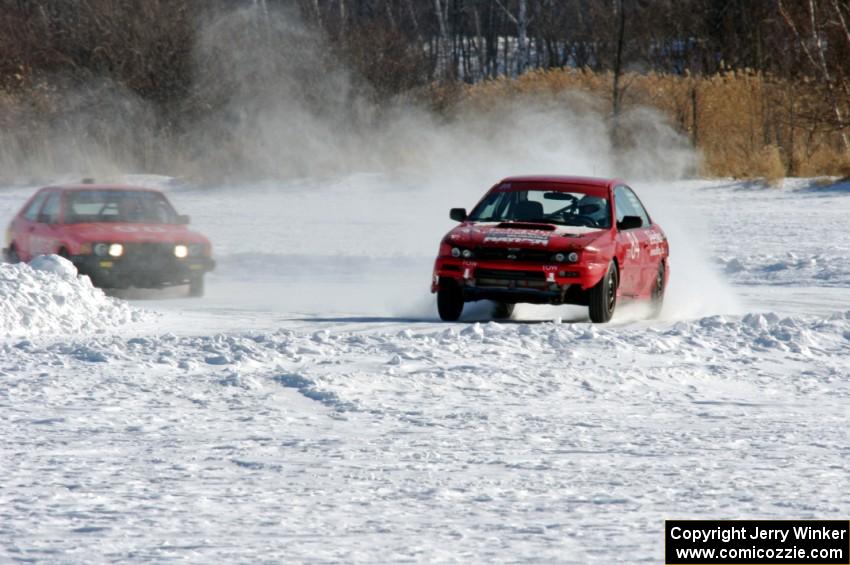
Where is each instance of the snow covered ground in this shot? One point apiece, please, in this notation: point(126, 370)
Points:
point(312, 408)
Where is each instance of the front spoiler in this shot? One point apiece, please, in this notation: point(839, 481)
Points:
point(564, 283)
point(512, 295)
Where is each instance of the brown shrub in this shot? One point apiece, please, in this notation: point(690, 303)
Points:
point(744, 123)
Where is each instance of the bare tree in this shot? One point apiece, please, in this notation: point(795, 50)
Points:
point(521, 21)
point(815, 52)
point(617, 90)
point(441, 8)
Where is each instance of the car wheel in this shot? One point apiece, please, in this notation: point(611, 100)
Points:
point(196, 286)
point(11, 255)
point(658, 291)
point(449, 301)
point(502, 310)
point(603, 296)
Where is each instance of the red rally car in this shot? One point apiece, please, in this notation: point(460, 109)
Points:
point(120, 236)
point(552, 240)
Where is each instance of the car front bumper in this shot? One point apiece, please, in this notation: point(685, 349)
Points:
point(512, 281)
point(155, 271)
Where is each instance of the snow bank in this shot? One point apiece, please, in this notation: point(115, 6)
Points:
point(47, 297)
point(791, 269)
point(59, 266)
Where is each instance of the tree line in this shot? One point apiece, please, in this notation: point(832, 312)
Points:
point(404, 47)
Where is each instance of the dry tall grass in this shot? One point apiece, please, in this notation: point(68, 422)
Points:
point(744, 123)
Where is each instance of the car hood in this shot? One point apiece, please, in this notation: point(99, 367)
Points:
point(131, 233)
point(523, 235)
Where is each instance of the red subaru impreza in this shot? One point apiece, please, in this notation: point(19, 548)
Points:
point(120, 236)
point(552, 240)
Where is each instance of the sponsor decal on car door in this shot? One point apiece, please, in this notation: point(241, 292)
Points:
point(654, 245)
point(629, 259)
point(628, 243)
point(647, 246)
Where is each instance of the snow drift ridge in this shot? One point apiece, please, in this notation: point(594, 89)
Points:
point(47, 296)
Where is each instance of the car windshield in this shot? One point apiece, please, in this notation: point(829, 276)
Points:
point(131, 206)
point(542, 205)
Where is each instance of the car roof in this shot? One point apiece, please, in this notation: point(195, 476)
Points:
point(86, 186)
point(597, 182)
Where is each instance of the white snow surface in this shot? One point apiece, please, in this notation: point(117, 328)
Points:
point(312, 409)
point(47, 297)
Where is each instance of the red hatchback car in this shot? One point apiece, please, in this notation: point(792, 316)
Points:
point(552, 240)
point(120, 236)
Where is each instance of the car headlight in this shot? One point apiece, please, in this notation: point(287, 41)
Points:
point(460, 252)
point(571, 257)
point(101, 249)
point(181, 251)
point(116, 250)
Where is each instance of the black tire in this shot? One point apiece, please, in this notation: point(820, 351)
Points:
point(657, 301)
point(502, 310)
point(603, 296)
point(11, 255)
point(196, 286)
point(449, 302)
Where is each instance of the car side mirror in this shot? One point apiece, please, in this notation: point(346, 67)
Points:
point(630, 223)
point(458, 214)
point(183, 219)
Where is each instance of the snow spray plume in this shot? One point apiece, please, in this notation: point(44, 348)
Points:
point(269, 101)
point(284, 109)
point(66, 130)
point(380, 177)
point(293, 113)
point(696, 287)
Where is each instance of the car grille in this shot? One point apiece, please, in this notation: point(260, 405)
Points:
point(508, 254)
point(510, 279)
point(150, 255)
